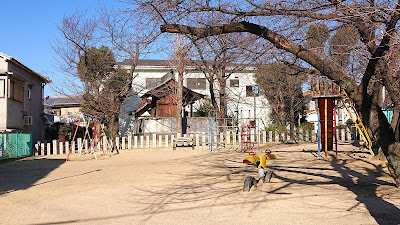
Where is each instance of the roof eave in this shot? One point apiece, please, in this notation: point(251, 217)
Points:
point(15, 61)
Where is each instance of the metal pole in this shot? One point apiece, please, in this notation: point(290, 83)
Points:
point(319, 135)
point(334, 119)
point(76, 130)
point(326, 128)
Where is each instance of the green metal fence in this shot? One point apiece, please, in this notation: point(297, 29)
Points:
point(14, 145)
point(389, 114)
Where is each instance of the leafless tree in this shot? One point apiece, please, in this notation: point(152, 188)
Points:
point(220, 57)
point(180, 60)
point(281, 85)
point(104, 94)
point(283, 25)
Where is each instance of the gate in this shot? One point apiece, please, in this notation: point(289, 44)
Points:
point(14, 145)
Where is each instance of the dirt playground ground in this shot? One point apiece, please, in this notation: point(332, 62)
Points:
point(187, 186)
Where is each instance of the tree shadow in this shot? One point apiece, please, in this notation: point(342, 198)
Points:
point(215, 180)
point(383, 211)
point(202, 186)
point(22, 174)
point(365, 187)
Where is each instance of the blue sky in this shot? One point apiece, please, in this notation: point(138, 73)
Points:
point(29, 27)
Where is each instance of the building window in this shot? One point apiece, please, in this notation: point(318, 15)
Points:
point(2, 88)
point(57, 112)
point(252, 91)
point(152, 82)
point(196, 83)
point(234, 83)
point(16, 90)
point(29, 93)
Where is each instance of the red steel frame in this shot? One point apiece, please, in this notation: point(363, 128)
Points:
point(246, 133)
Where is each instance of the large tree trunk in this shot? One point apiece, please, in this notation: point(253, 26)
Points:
point(222, 101)
point(291, 121)
point(212, 96)
point(375, 119)
point(113, 124)
point(395, 124)
point(179, 102)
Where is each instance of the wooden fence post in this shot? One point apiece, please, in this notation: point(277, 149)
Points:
point(61, 147)
point(123, 143)
point(130, 142)
point(80, 145)
point(117, 142)
point(86, 146)
point(48, 148)
point(154, 141)
point(166, 141)
point(54, 147)
point(37, 149)
point(270, 136)
point(160, 141)
point(147, 141)
point(42, 150)
point(135, 142)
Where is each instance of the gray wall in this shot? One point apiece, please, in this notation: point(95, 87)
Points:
point(130, 126)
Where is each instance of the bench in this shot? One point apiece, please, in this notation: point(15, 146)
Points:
point(182, 141)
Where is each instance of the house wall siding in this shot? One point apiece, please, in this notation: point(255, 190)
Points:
point(29, 107)
point(73, 110)
point(3, 101)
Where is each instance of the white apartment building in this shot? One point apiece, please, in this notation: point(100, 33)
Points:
point(241, 101)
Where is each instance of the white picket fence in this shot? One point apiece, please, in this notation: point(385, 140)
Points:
point(166, 141)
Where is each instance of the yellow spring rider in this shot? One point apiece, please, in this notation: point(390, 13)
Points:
point(260, 161)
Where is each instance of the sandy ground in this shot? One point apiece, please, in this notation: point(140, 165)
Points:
point(198, 187)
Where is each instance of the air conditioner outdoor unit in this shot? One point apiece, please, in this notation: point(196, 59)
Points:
point(27, 120)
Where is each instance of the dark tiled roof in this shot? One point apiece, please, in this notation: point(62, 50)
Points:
point(168, 87)
point(154, 62)
point(172, 63)
point(63, 100)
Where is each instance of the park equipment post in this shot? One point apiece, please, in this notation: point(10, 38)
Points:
point(73, 139)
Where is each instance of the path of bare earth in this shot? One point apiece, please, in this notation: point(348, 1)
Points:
point(161, 186)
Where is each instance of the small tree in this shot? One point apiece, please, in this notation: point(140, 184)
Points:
point(106, 86)
point(282, 90)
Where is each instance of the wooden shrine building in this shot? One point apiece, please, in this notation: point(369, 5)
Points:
point(161, 100)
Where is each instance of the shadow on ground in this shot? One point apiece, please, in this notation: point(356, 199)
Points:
point(22, 174)
point(215, 177)
point(225, 172)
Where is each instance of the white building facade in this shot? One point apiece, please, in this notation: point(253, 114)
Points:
point(240, 103)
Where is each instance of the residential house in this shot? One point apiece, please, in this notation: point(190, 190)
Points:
point(63, 108)
point(21, 98)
